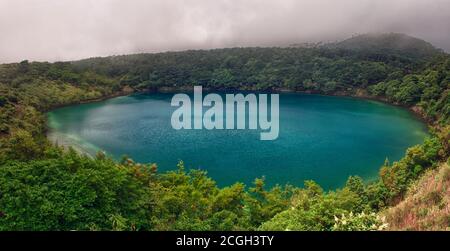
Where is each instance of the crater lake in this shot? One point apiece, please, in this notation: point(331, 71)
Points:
point(321, 138)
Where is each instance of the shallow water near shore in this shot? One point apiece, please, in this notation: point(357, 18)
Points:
point(322, 138)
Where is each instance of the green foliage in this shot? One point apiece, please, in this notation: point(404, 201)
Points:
point(377, 195)
point(314, 69)
point(22, 145)
point(428, 90)
point(263, 205)
point(3, 100)
point(312, 209)
point(356, 185)
point(71, 192)
point(398, 177)
point(192, 201)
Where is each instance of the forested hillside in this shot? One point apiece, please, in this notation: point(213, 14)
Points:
point(44, 187)
point(395, 67)
point(392, 43)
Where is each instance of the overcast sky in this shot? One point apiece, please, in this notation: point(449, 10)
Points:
point(49, 30)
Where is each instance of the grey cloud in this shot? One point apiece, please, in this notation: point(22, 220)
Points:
point(49, 30)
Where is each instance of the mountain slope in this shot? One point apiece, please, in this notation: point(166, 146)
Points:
point(427, 205)
point(388, 42)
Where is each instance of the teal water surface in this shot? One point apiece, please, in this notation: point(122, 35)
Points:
point(322, 138)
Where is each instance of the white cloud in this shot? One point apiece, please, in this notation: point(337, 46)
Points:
point(73, 29)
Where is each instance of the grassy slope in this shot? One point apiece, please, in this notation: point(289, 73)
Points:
point(427, 204)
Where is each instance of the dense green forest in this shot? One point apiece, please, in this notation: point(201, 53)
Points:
point(43, 186)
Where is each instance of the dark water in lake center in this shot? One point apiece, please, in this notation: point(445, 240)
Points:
point(322, 138)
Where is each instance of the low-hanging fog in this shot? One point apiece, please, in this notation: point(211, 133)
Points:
point(50, 30)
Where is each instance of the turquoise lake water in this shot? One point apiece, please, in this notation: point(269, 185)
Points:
point(322, 138)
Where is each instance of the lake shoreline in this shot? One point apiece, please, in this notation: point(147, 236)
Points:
point(106, 115)
point(358, 94)
point(126, 91)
